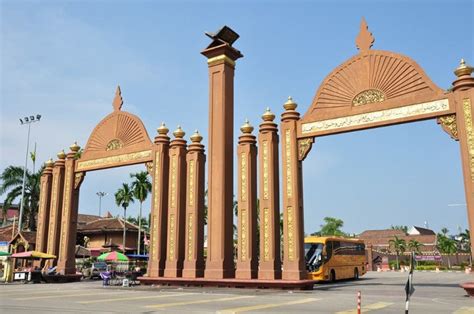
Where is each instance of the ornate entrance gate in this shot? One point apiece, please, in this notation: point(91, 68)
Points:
point(372, 89)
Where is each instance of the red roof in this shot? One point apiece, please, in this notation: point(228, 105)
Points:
point(107, 224)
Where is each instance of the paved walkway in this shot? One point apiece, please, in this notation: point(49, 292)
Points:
point(381, 293)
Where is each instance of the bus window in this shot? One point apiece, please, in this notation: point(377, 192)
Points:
point(329, 249)
point(313, 255)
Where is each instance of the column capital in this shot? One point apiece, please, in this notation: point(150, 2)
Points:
point(290, 113)
point(268, 125)
point(196, 145)
point(162, 137)
point(247, 137)
point(464, 79)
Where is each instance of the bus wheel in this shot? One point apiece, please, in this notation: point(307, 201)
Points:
point(332, 278)
point(356, 273)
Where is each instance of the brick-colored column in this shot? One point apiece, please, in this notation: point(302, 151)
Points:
point(221, 63)
point(463, 88)
point(194, 244)
point(294, 267)
point(67, 246)
point(176, 206)
point(270, 259)
point(247, 260)
point(44, 207)
point(55, 211)
point(159, 204)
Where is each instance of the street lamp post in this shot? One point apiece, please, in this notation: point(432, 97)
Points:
point(26, 120)
point(100, 195)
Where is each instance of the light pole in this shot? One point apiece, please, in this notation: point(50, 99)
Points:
point(100, 195)
point(26, 120)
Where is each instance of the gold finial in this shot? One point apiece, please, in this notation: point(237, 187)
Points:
point(290, 104)
point(463, 69)
point(62, 155)
point(364, 40)
point(196, 137)
point(118, 101)
point(162, 130)
point(74, 147)
point(49, 163)
point(268, 115)
point(246, 128)
point(179, 133)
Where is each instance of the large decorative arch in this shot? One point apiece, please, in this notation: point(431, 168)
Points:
point(119, 139)
point(373, 88)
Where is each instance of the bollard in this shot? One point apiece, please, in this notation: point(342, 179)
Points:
point(358, 302)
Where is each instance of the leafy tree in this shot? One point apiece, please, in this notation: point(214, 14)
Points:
point(331, 227)
point(141, 186)
point(399, 246)
point(11, 181)
point(465, 243)
point(415, 246)
point(401, 227)
point(446, 244)
point(123, 198)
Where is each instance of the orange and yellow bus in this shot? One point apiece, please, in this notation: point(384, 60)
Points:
point(333, 258)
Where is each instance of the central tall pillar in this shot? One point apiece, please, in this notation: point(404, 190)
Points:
point(221, 63)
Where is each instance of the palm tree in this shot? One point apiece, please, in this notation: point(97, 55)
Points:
point(414, 246)
point(141, 186)
point(11, 181)
point(123, 197)
point(446, 244)
point(466, 243)
point(399, 246)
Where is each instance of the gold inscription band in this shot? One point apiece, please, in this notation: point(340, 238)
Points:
point(113, 160)
point(377, 116)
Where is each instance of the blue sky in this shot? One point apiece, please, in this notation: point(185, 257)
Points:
point(64, 59)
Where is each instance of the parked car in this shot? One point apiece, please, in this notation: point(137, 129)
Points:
point(97, 268)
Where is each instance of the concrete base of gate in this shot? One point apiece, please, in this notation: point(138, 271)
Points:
point(62, 278)
point(230, 283)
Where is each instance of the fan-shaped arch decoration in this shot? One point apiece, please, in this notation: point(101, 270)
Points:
point(372, 77)
point(121, 135)
point(373, 88)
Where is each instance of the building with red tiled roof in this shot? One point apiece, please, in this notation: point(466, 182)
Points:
point(380, 239)
point(108, 232)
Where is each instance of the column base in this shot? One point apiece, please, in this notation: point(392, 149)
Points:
point(269, 274)
point(173, 270)
point(191, 269)
point(219, 273)
point(294, 275)
point(245, 274)
point(154, 270)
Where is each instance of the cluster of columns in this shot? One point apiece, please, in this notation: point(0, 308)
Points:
point(177, 215)
point(57, 213)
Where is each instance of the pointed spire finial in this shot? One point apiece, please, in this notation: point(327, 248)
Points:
point(364, 40)
point(118, 101)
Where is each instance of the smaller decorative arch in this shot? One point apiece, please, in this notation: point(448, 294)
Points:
point(119, 139)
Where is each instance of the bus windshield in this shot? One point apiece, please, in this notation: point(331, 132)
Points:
point(313, 255)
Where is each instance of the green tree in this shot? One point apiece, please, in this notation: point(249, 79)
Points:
point(465, 243)
point(331, 227)
point(141, 186)
point(123, 198)
point(446, 244)
point(401, 227)
point(399, 246)
point(11, 180)
point(415, 246)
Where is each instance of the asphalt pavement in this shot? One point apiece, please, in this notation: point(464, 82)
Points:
point(381, 293)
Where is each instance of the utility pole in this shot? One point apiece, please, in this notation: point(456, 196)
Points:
point(27, 120)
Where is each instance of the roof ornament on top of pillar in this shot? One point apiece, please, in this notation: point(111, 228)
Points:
point(246, 128)
point(463, 69)
point(364, 40)
point(118, 101)
point(225, 35)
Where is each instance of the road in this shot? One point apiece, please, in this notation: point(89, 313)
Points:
point(381, 293)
